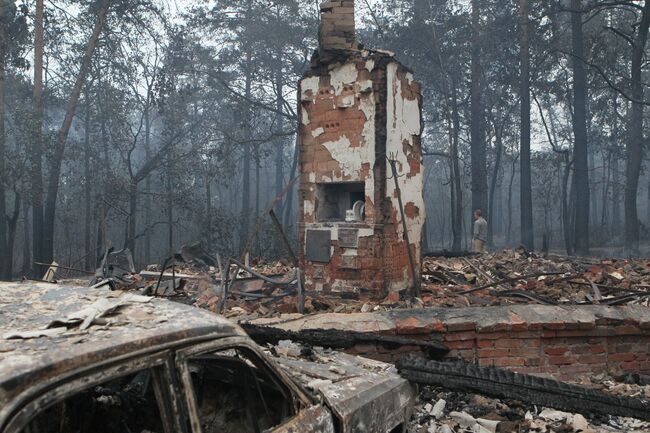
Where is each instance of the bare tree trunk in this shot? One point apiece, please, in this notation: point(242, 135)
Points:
point(133, 215)
point(513, 171)
point(566, 215)
point(5, 259)
point(87, 207)
point(294, 166)
point(616, 197)
point(498, 131)
point(580, 151)
point(279, 126)
point(456, 186)
point(634, 147)
point(246, 170)
point(607, 173)
point(57, 159)
point(27, 253)
point(477, 143)
point(12, 225)
point(36, 156)
point(208, 213)
point(257, 198)
point(170, 215)
point(147, 199)
point(525, 191)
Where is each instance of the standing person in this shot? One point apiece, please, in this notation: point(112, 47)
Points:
point(480, 232)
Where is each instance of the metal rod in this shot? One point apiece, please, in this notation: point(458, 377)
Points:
point(67, 268)
point(287, 244)
point(258, 275)
point(416, 279)
point(301, 294)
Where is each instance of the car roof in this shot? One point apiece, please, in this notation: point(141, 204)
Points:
point(139, 323)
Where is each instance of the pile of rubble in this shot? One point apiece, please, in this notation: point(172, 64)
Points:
point(441, 411)
point(516, 276)
point(270, 289)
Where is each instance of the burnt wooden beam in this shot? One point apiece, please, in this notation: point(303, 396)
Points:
point(340, 339)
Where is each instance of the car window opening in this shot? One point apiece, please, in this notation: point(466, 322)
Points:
point(233, 394)
point(124, 405)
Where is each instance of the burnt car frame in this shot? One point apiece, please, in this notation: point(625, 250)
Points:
point(74, 359)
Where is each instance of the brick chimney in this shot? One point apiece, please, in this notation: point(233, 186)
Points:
point(337, 30)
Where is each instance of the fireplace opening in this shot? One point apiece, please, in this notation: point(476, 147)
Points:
point(341, 202)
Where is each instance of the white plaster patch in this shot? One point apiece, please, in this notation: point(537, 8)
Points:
point(305, 117)
point(309, 85)
point(340, 76)
point(308, 207)
point(312, 177)
point(365, 86)
point(370, 65)
point(351, 159)
point(318, 132)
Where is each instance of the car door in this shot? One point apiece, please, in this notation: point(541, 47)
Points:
point(229, 385)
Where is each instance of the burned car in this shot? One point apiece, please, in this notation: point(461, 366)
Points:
point(92, 360)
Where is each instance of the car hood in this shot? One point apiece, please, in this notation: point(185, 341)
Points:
point(365, 395)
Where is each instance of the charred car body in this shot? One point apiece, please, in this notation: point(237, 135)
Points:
point(79, 360)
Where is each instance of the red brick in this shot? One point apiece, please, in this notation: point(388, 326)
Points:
point(592, 359)
point(509, 362)
point(554, 325)
point(461, 326)
point(556, 350)
point(492, 353)
point(601, 332)
point(485, 362)
point(627, 330)
point(580, 349)
point(621, 357)
point(462, 344)
point(485, 343)
point(572, 333)
point(533, 362)
point(493, 335)
point(507, 343)
point(559, 360)
point(456, 336)
point(597, 348)
point(525, 351)
point(531, 343)
point(632, 366)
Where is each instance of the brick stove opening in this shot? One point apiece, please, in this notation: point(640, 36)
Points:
point(357, 109)
point(336, 200)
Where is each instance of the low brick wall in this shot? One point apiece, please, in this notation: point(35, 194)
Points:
point(561, 341)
